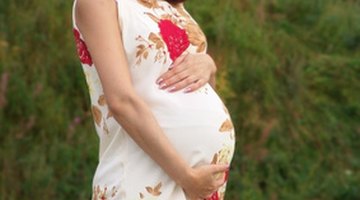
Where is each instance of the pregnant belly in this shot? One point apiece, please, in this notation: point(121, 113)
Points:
point(197, 124)
point(201, 143)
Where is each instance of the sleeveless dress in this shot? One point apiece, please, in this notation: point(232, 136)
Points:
point(154, 34)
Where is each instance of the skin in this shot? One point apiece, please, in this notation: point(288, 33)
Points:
point(189, 71)
point(98, 22)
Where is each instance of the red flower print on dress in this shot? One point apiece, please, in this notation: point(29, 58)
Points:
point(226, 175)
point(82, 50)
point(176, 39)
point(214, 196)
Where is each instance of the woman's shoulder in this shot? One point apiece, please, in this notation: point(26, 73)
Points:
point(91, 11)
point(82, 7)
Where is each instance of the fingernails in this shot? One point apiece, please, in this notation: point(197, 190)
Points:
point(159, 80)
point(187, 90)
point(171, 89)
point(162, 86)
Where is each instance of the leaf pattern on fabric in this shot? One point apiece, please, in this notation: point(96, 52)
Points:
point(175, 38)
point(149, 3)
point(223, 156)
point(152, 191)
point(226, 126)
point(153, 17)
point(155, 191)
point(153, 42)
point(110, 114)
point(102, 100)
point(103, 193)
point(98, 115)
point(96, 112)
point(105, 127)
point(177, 31)
point(196, 35)
point(156, 40)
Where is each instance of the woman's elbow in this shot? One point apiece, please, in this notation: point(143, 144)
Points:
point(121, 104)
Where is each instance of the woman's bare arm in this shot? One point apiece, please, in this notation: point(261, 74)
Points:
point(98, 23)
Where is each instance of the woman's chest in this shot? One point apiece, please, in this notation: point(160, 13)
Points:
point(154, 31)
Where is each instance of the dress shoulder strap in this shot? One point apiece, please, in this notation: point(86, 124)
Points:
point(73, 15)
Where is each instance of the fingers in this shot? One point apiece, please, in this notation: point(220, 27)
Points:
point(181, 81)
point(219, 168)
point(219, 183)
point(216, 185)
point(176, 73)
point(205, 184)
point(188, 71)
point(208, 194)
point(220, 173)
point(183, 84)
point(195, 85)
point(181, 77)
point(190, 83)
point(178, 81)
point(171, 72)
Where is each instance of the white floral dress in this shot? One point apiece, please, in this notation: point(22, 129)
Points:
point(154, 34)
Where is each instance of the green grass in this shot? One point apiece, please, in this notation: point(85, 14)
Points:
point(289, 70)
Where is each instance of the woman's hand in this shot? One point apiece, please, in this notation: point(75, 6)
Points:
point(190, 71)
point(204, 180)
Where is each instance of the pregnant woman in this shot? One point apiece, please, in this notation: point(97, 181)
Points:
point(164, 132)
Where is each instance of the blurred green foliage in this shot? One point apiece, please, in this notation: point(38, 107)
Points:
point(289, 71)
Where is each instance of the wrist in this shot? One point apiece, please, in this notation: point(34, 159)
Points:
point(186, 177)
